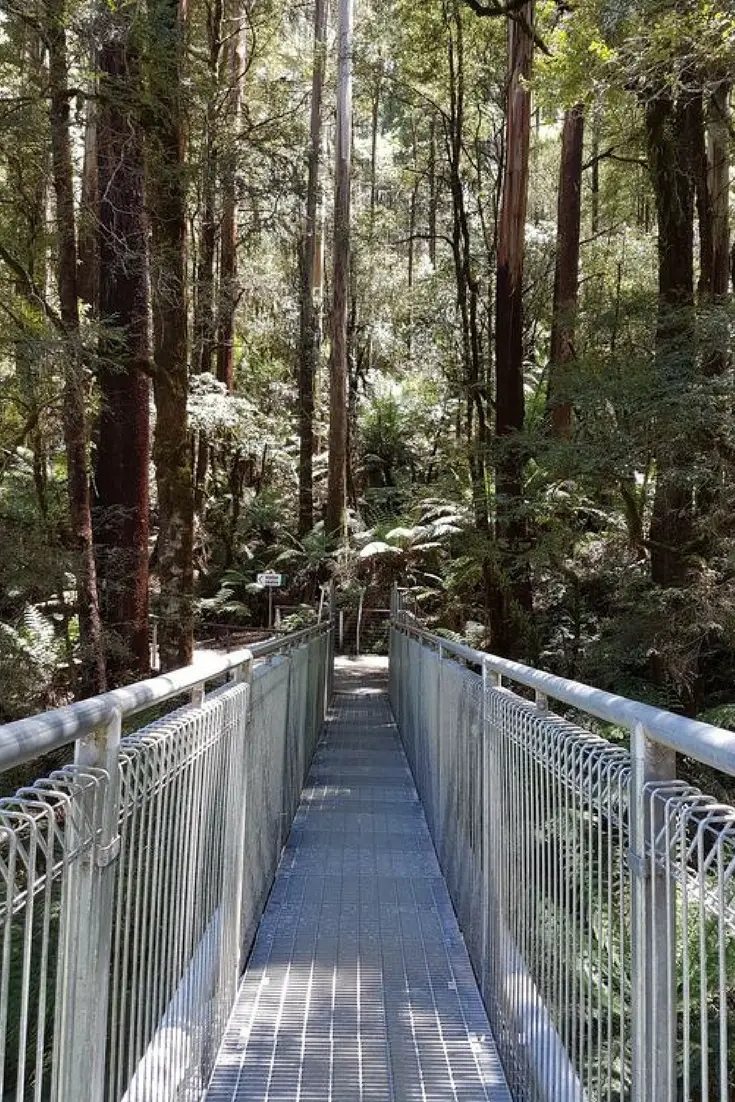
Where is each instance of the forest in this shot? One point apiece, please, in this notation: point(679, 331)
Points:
point(438, 294)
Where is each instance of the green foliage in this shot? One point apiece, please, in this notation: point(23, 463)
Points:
point(32, 654)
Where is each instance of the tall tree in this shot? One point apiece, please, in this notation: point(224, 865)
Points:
point(718, 143)
point(311, 307)
point(465, 272)
point(94, 672)
point(672, 136)
point(167, 187)
point(337, 475)
point(204, 337)
point(566, 277)
point(228, 287)
point(120, 507)
point(509, 398)
point(87, 224)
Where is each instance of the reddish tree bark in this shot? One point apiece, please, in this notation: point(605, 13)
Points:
point(171, 452)
point(671, 131)
point(718, 181)
point(515, 587)
point(718, 129)
point(566, 279)
point(93, 670)
point(121, 464)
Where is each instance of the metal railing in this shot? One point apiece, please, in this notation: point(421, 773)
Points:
point(596, 892)
point(131, 881)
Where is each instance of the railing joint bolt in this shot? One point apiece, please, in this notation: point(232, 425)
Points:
point(105, 855)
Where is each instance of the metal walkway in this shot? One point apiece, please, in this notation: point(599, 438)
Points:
point(359, 987)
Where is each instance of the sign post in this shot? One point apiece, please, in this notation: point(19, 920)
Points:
point(271, 581)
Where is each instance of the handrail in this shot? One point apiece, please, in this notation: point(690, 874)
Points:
point(25, 739)
point(714, 746)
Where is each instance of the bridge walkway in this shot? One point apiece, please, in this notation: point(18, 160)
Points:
point(359, 987)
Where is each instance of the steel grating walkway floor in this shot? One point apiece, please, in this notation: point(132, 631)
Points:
point(359, 987)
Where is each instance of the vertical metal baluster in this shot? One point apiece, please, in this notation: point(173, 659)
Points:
point(83, 972)
point(653, 1051)
point(237, 815)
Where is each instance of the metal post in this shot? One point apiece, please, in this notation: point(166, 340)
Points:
point(154, 644)
point(490, 680)
point(341, 630)
point(653, 930)
point(236, 819)
point(82, 985)
point(197, 695)
point(329, 672)
point(270, 607)
point(359, 623)
point(437, 771)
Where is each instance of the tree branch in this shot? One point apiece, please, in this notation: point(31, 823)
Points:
point(611, 155)
point(29, 285)
point(511, 9)
point(495, 9)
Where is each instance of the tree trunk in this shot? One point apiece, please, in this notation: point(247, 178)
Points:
point(120, 508)
point(88, 239)
point(336, 483)
point(311, 335)
point(671, 139)
point(204, 322)
point(515, 596)
point(167, 182)
point(374, 127)
point(433, 192)
point(468, 289)
point(595, 185)
point(412, 211)
point(228, 289)
point(703, 195)
point(93, 671)
point(566, 279)
point(718, 143)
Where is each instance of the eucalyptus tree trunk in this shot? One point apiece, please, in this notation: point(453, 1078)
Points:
point(467, 283)
point(595, 173)
point(228, 288)
point(311, 307)
point(88, 275)
point(433, 204)
point(167, 179)
point(337, 472)
point(204, 336)
point(671, 134)
point(515, 589)
point(703, 197)
point(718, 148)
point(566, 279)
point(93, 670)
point(28, 180)
point(120, 505)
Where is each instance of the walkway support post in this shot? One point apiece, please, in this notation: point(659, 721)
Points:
point(653, 927)
point(83, 972)
point(490, 681)
point(237, 820)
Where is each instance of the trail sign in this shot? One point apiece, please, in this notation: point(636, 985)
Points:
point(271, 580)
